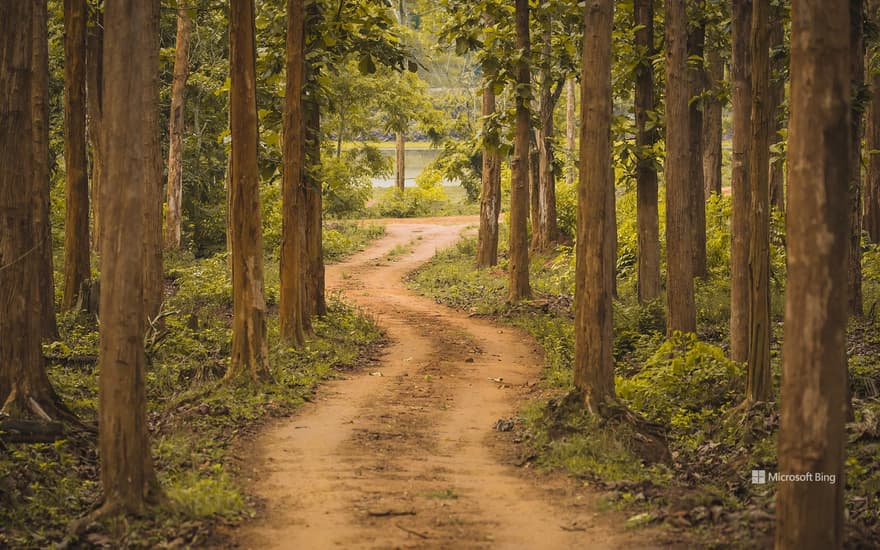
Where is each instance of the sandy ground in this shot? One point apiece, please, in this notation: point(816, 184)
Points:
point(404, 454)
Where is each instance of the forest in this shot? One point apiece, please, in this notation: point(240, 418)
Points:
point(440, 274)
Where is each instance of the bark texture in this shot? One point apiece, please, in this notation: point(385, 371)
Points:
point(681, 311)
point(293, 217)
point(490, 195)
point(741, 22)
point(593, 359)
point(696, 84)
point(400, 161)
point(811, 432)
point(153, 277)
point(315, 303)
point(872, 183)
point(40, 117)
point(712, 129)
point(94, 93)
point(857, 75)
point(546, 232)
point(127, 474)
point(176, 125)
point(571, 126)
point(758, 387)
point(647, 217)
point(249, 346)
point(777, 97)
point(519, 287)
point(76, 221)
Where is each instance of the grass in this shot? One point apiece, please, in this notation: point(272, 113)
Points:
point(194, 417)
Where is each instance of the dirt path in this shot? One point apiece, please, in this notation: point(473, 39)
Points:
point(409, 458)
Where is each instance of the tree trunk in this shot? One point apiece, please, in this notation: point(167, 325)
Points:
point(534, 187)
point(647, 217)
point(94, 79)
point(571, 127)
point(127, 474)
point(490, 197)
point(759, 387)
point(872, 183)
point(176, 124)
point(519, 186)
point(857, 70)
point(400, 165)
point(293, 211)
point(811, 431)
point(42, 226)
point(23, 380)
point(315, 303)
point(249, 346)
point(546, 231)
point(777, 98)
point(153, 275)
point(740, 197)
point(696, 84)
point(76, 223)
point(593, 359)
point(681, 311)
point(712, 129)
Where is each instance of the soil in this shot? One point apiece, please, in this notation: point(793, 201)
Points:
point(405, 454)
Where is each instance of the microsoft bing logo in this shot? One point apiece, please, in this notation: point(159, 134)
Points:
point(759, 477)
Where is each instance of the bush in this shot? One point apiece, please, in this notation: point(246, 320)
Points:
point(685, 384)
point(417, 201)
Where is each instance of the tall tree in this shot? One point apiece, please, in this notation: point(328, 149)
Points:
point(741, 23)
point(40, 117)
point(696, 75)
point(127, 474)
point(76, 221)
point(712, 110)
point(811, 430)
point(94, 84)
point(314, 302)
point(152, 236)
point(519, 187)
point(546, 232)
point(570, 126)
point(857, 72)
point(872, 183)
point(249, 346)
point(594, 362)
point(490, 195)
point(758, 386)
point(648, 220)
point(176, 122)
point(293, 211)
point(777, 97)
point(681, 311)
point(24, 387)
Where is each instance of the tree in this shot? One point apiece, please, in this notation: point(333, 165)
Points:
point(571, 126)
point(681, 311)
point(293, 216)
point(696, 77)
point(811, 431)
point(778, 70)
point(176, 122)
point(712, 110)
point(646, 175)
point(857, 71)
point(593, 359)
point(758, 386)
point(519, 186)
point(24, 387)
point(94, 84)
point(127, 474)
point(152, 201)
point(76, 222)
point(249, 346)
point(872, 183)
point(741, 19)
point(490, 195)
point(40, 117)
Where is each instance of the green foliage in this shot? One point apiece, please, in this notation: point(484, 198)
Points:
point(341, 239)
point(686, 384)
point(417, 201)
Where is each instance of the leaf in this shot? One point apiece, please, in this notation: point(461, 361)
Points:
point(366, 64)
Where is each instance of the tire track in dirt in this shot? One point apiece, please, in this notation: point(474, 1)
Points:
point(409, 459)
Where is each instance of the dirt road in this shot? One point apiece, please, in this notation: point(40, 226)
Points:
point(404, 454)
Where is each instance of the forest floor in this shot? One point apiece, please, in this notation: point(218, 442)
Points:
point(415, 451)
